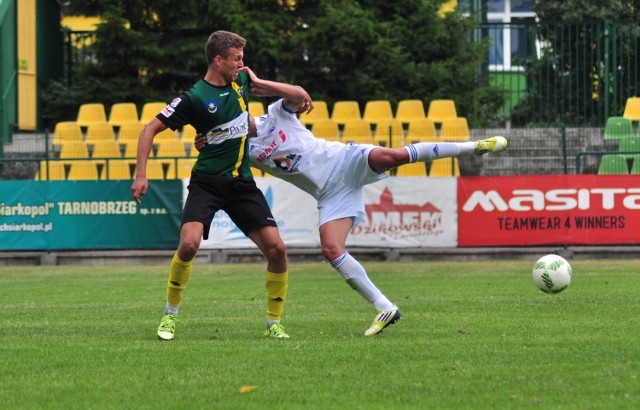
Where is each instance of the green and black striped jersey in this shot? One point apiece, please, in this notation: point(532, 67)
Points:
point(221, 114)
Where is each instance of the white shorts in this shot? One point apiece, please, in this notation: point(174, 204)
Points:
point(342, 195)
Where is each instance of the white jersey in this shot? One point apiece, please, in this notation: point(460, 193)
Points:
point(286, 149)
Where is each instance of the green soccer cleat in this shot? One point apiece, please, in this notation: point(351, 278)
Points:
point(167, 327)
point(493, 144)
point(383, 319)
point(276, 330)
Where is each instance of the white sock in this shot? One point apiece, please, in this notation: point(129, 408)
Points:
point(271, 322)
point(357, 278)
point(170, 309)
point(427, 151)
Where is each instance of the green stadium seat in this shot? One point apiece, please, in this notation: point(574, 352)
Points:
point(612, 164)
point(618, 128)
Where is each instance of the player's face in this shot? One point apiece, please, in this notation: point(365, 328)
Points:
point(232, 64)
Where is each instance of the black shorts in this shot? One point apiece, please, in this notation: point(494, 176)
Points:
point(240, 198)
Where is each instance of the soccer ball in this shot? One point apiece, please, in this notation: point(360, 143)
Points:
point(552, 274)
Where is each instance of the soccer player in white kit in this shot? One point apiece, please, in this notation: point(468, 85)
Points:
point(335, 173)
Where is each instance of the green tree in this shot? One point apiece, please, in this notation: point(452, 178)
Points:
point(338, 50)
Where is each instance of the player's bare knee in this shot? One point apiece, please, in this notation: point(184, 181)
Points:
point(331, 251)
point(188, 249)
point(277, 251)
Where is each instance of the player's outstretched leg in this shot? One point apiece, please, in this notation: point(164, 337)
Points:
point(383, 319)
point(493, 144)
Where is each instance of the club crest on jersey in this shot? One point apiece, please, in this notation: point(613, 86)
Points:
point(212, 106)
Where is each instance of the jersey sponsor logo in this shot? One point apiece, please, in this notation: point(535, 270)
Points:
point(236, 128)
point(212, 106)
point(282, 135)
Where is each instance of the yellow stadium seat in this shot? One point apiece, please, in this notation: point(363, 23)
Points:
point(130, 131)
point(326, 129)
point(66, 131)
point(188, 133)
point(51, 171)
point(119, 169)
point(421, 130)
point(415, 169)
point(377, 110)
point(632, 109)
point(84, 170)
point(90, 113)
point(131, 149)
point(454, 129)
point(106, 149)
point(256, 108)
point(74, 149)
point(160, 169)
point(150, 110)
point(320, 112)
point(99, 131)
point(389, 133)
point(166, 135)
point(123, 112)
point(409, 110)
point(440, 110)
point(357, 131)
point(345, 111)
point(444, 167)
point(184, 167)
point(171, 148)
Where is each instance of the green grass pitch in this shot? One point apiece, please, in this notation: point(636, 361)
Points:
point(473, 335)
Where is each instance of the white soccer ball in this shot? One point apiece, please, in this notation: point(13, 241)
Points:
point(552, 274)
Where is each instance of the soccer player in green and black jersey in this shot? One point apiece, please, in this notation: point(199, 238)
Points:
point(221, 179)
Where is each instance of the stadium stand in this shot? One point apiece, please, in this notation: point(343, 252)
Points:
point(150, 110)
point(99, 131)
point(357, 131)
point(51, 171)
point(421, 130)
point(74, 149)
point(632, 109)
point(440, 110)
point(389, 133)
point(66, 131)
point(106, 149)
point(84, 170)
point(256, 108)
point(123, 112)
point(119, 169)
point(345, 111)
point(409, 109)
point(171, 148)
point(377, 110)
point(416, 169)
point(455, 129)
point(612, 164)
point(444, 167)
point(618, 128)
point(129, 132)
point(326, 129)
point(320, 112)
point(91, 113)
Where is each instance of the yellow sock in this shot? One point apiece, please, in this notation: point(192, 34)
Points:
point(276, 294)
point(179, 273)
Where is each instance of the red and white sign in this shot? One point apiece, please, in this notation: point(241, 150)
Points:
point(549, 210)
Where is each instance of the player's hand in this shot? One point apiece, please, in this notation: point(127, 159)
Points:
point(200, 142)
point(139, 189)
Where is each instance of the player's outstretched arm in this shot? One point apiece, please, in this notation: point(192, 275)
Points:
point(295, 97)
